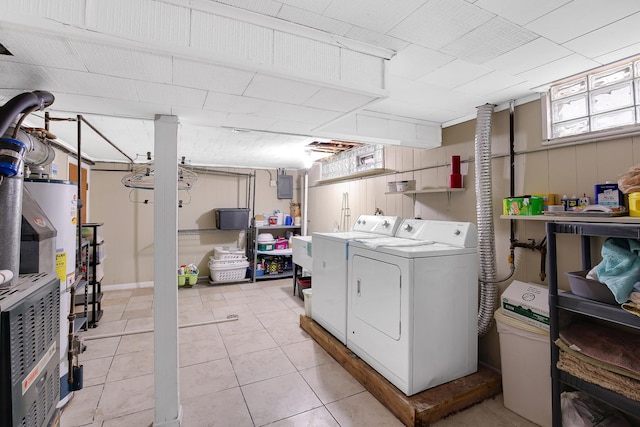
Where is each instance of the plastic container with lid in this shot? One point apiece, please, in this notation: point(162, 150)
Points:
point(525, 356)
point(634, 204)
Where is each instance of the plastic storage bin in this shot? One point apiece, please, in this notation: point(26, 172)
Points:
point(228, 271)
point(227, 253)
point(526, 380)
point(232, 218)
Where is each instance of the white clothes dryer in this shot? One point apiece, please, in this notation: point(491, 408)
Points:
point(329, 279)
point(412, 303)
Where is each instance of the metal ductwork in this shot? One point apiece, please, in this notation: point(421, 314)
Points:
point(484, 212)
point(16, 147)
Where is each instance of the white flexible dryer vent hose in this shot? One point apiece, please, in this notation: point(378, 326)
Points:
point(484, 212)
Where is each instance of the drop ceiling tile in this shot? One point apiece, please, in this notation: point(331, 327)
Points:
point(37, 48)
point(264, 7)
point(88, 104)
point(123, 62)
point(233, 103)
point(337, 100)
point(83, 83)
point(626, 52)
point(491, 39)
point(488, 84)
point(315, 6)
point(277, 89)
point(23, 77)
point(226, 37)
point(455, 73)
point(377, 15)
point(201, 75)
point(530, 55)
point(157, 93)
point(248, 121)
point(439, 22)
point(281, 111)
point(194, 116)
point(607, 39)
point(141, 20)
point(584, 16)
point(313, 20)
point(68, 11)
point(515, 92)
point(289, 126)
point(375, 38)
point(305, 57)
point(557, 70)
point(520, 12)
point(358, 70)
point(416, 61)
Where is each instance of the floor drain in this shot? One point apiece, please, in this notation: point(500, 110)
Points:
point(232, 316)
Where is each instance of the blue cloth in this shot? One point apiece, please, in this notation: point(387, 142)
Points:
point(620, 266)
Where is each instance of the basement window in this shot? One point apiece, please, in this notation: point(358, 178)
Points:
point(601, 104)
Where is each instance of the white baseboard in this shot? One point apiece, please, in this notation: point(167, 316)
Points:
point(127, 286)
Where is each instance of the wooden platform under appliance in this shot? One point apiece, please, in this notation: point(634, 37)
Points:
point(422, 408)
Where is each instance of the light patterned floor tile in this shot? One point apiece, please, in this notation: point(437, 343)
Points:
point(306, 354)
point(362, 410)
point(126, 397)
point(205, 378)
point(225, 408)
point(248, 342)
point(331, 382)
point(81, 408)
point(261, 365)
point(318, 417)
point(278, 398)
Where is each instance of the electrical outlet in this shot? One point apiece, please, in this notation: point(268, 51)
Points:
point(272, 183)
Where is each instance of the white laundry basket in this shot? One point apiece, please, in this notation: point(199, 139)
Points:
point(307, 301)
point(525, 354)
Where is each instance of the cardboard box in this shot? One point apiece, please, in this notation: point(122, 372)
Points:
point(548, 199)
point(609, 195)
point(525, 205)
point(528, 303)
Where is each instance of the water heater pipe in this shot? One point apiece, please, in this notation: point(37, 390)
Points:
point(11, 184)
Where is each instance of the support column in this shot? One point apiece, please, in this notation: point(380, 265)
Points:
point(168, 412)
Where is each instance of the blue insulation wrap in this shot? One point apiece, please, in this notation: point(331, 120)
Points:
point(12, 152)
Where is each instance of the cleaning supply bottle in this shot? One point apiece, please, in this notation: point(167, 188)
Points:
point(565, 202)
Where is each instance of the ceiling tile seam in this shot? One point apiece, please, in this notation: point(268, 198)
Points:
point(599, 28)
point(244, 15)
point(402, 21)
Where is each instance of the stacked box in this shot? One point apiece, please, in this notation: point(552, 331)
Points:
point(527, 302)
point(525, 205)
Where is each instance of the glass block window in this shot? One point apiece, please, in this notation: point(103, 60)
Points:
point(607, 99)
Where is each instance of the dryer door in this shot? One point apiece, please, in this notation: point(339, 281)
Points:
point(375, 294)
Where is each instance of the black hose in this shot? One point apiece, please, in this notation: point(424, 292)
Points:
point(21, 103)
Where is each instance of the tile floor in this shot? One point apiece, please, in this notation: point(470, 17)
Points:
point(259, 370)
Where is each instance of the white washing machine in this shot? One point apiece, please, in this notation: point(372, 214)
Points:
point(412, 303)
point(329, 280)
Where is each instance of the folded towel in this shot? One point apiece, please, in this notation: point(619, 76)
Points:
point(632, 308)
point(620, 266)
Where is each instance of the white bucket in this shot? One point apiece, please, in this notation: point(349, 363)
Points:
point(307, 302)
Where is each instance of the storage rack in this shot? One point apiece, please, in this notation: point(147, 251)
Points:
point(277, 230)
point(569, 302)
point(80, 321)
point(94, 277)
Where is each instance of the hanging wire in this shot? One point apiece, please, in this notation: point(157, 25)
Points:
point(142, 177)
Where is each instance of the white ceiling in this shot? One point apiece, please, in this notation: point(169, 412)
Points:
point(294, 71)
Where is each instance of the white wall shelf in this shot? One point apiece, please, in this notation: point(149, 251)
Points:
point(558, 218)
point(429, 190)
